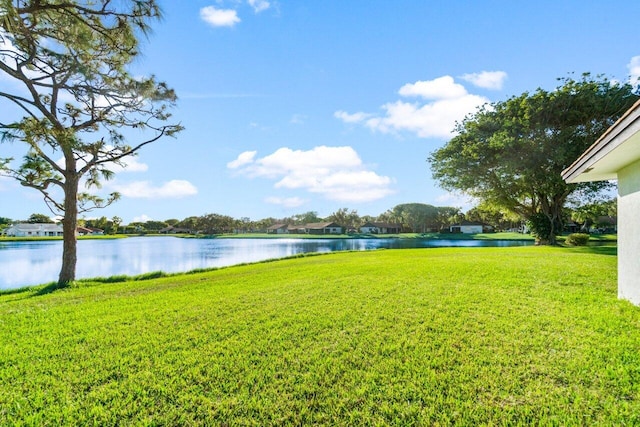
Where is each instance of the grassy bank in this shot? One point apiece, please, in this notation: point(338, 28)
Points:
point(462, 336)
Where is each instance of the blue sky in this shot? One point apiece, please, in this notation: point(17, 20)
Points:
point(296, 106)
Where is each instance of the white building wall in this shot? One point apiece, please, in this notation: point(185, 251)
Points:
point(629, 233)
point(34, 230)
point(470, 229)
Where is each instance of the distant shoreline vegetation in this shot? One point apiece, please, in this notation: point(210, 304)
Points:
point(604, 238)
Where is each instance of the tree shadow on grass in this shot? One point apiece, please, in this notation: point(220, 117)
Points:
point(32, 291)
point(48, 288)
point(610, 250)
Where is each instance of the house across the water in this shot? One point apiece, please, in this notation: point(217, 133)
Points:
point(323, 228)
point(381, 228)
point(313, 228)
point(34, 230)
point(88, 231)
point(468, 227)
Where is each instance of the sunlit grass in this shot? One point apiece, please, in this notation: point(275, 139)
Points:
point(467, 336)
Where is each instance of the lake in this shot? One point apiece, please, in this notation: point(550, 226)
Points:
point(36, 262)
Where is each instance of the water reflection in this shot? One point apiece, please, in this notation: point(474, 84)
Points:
point(30, 263)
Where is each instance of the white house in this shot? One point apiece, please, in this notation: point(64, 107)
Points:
point(616, 155)
point(34, 230)
point(86, 231)
point(466, 227)
point(323, 228)
point(278, 229)
point(380, 228)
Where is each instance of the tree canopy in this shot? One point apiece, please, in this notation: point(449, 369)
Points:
point(420, 217)
point(593, 213)
point(510, 154)
point(38, 218)
point(68, 63)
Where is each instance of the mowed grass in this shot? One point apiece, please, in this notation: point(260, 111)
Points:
point(462, 336)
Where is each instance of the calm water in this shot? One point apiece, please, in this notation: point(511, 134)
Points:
point(31, 263)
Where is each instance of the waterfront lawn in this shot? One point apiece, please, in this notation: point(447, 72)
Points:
point(467, 336)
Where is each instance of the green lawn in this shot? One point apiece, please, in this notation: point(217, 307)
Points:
point(464, 336)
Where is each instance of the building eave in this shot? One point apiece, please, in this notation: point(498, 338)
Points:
point(618, 147)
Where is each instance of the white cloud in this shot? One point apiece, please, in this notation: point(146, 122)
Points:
point(130, 164)
point(441, 88)
point(259, 5)
point(457, 200)
point(219, 17)
point(176, 188)
point(5, 183)
point(353, 186)
point(298, 119)
point(142, 218)
point(337, 173)
point(433, 120)
point(243, 159)
point(448, 103)
point(486, 79)
point(289, 202)
point(634, 70)
point(127, 164)
point(8, 55)
point(351, 118)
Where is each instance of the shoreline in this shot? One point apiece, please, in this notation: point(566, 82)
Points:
point(606, 238)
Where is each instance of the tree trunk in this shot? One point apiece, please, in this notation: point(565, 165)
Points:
point(69, 223)
point(554, 214)
point(547, 222)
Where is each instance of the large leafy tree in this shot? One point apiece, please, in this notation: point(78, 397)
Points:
point(345, 218)
point(510, 154)
point(4, 223)
point(67, 63)
point(39, 218)
point(591, 213)
point(417, 216)
point(216, 224)
point(306, 218)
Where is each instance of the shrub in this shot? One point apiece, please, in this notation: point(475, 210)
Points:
point(577, 239)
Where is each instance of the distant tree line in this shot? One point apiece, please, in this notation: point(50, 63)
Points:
point(412, 217)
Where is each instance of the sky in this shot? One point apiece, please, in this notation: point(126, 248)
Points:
point(296, 106)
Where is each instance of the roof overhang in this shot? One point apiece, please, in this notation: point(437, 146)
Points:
point(618, 147)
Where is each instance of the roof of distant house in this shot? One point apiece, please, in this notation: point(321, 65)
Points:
point(27, 226)
point(276, 226)
point(381, 224)
point(319, 225)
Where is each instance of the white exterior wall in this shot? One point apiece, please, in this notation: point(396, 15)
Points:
point(34, 230)
point(629, 233)
point(470, 229)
